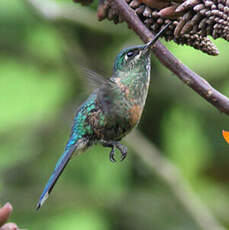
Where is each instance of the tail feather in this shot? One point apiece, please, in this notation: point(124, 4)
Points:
point(61, 164)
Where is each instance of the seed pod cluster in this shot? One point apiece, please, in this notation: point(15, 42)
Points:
point(152, 19)
point(203, 17)
point(155, 14)
point(106, 11)
point(207, 17)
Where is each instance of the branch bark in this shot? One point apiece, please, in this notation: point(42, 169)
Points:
point(193, 80)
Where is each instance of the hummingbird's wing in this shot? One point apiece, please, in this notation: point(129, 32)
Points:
point(106, 89)
point(98, 80)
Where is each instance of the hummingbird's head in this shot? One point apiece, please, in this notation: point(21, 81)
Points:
point(136, 56)
point(132, 57)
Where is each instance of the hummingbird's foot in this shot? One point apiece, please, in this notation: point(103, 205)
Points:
point(112, 154)
point(122, 149)
point(113, 145)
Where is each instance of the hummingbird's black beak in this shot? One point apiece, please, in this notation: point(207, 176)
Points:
point(150, 44)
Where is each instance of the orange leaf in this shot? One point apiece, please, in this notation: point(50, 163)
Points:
point(226, 136)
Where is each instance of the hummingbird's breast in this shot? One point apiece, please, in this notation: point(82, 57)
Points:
point(122, 105)
point(131, 97)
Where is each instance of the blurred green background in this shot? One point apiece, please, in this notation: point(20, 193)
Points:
point(41, 86)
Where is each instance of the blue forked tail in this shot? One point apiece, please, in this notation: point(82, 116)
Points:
point(60, 165)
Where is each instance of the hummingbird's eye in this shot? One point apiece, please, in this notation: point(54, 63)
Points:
point(132, 53)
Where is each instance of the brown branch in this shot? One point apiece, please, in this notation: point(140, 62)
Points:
point(193, 80)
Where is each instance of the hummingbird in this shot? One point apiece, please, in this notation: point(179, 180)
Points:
point(111, 111)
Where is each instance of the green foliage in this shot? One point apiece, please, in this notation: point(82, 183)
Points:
point(197, 60)
point(45, 42)
point(186, 143)
point(84, 219)
point(27, 94)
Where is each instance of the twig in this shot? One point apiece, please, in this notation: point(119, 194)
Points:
point(170, 174)
point(193, 80)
